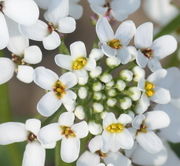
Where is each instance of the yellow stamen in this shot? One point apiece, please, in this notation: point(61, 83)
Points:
point(149, 89)
point(115, 128)
point(79, 63)
point(115, 43)
point(59, 89)
point(67, 132)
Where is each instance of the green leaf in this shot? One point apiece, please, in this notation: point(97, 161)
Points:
point(63, 48)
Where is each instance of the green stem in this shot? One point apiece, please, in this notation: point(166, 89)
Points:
point(169, 28)
point(63, 48)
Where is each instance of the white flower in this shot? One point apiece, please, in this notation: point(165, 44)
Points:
point(23, 12)
point(13, 132)
point(78, 61)
point(152, 91)
point(94, 128)
point(115, 44)
point(58, 90)
point(68, 132)
point(119, 9)
point(96, 54)
point(58, 22)
point(160, 11)
point(115, 134)
point(96, 154)
point(139, 73)
point(23, 56)
point(145, 124)
point(150, 52)
point(79, 112)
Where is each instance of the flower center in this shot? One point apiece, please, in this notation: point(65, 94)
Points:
point(115, 43)
point(67, 132)
point(79, 63)
point(149, 89)
point(147, 52)
point(51, 27)
point(32, 137)
point(143, 128)
point(1, 6)
point(59, 89)
point(101, 154)
point(115, 128)
point(18, 60)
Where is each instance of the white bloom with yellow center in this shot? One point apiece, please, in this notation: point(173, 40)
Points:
point(115, 134)
point(150, 52)
point(145, 126)
point(13, 132)
point(78, 62)
point(68, 132)
point(152, 91)
point(115, 44)
point(58, 91)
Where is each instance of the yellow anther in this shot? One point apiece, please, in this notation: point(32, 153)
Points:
point(115, 128)
point(67, 132)
point(115, 43)
point(149, 89)
point(59, 89)
point(79, 63)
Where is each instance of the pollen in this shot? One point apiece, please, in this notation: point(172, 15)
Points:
point(67, 132)
point(148, 53)
point(115, 43)
point(59, 89)
point(79, 63)
point(32, 137)
point(115, 128)
point(149, 89)
point(18, 60)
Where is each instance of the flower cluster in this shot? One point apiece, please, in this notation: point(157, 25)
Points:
point(118, 96)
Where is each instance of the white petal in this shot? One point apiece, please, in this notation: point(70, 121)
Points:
point(64, 61)
point(56, 10)
point(164, 46)
point(161, 96)
point(117, 158)
point(154, 64)
point(144, 36)
point(78, 49)
point(81, 129)
point(52, 41)
point(109, 119)
point(69, 79)
point(43, 3)
point(95, 144)
point(153, 123)
point(70, 148)
point(25, 73)
point(138, 120)
point(66, 119)
point(32, 55)
point(50, 133)
point(24, 12)
point(37, 31)
point(33, 125)
point(45, 78)
point(4, 35)
point(150, 142)
point(124, 119)
point(108, 51)
point(8, 67)
point(124, 55)
point(67, 25)
point(88, 159)
point(157, 76)
point(125, 32)
point(104, 30)
point(34, 155)
point(75, 10)
point(91, 65)
point(12, 132)
point(142, 105)
point(48, 104)
point(141, 60)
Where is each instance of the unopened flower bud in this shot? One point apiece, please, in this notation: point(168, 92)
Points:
point(112, 92)
point(82, 80)
point(111, 102)
point(133, 52)
point(135, 93)
point(94, 128)
point(96, 72)
point(97, 96)
point(79, 112)
point(96, 54)
point(98, 107)
point(125, 103)
point(113, 62)
point(103, 114)
point(109, 84)
point(97, 86)
point(139, 73)
point(82, 92)
point(120, 85)
point(126, 75)
point(106, 78)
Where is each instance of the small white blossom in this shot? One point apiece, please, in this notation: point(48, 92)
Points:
point(98, 107)
point(96, 72)
point(135, 93)
point(82, 92)
point(79, 112)
point(106, 78)
point(96, 54)
point(97, 86)
point(113, 62)
point(126, 75)
point(125, 103)
point(139, 73)
point(120, 85)
point(94, 128)
point(111, 102)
